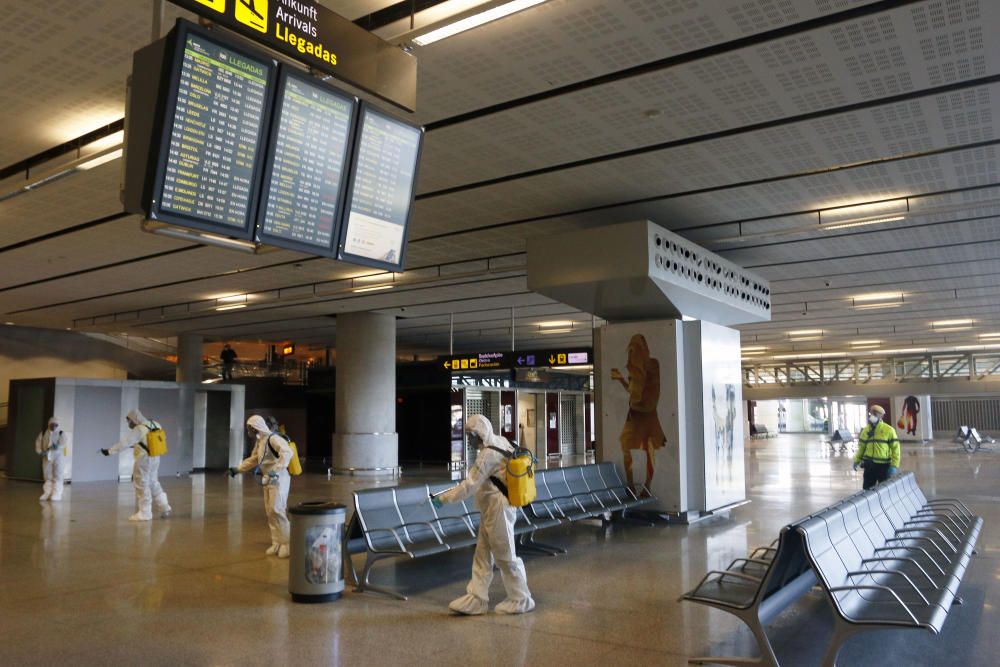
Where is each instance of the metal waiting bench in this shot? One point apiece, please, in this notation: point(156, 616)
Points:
point(889, 558)
point(402, 522)
point(915, 551)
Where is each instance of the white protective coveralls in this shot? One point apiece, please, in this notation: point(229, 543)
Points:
point(52, 445)
point(272, 453)
point(496, 528)
point(145, 469)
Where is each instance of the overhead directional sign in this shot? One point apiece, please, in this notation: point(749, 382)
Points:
point(528, 359)
point(316, 36)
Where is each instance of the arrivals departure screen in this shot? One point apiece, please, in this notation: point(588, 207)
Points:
point(307, 165)
point(384, 176)
point(216, 134)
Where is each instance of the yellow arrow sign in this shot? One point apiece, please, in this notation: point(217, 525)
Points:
point(447, 364)
point(552, 359)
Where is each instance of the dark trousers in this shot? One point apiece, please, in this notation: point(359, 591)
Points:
point(875, 473)
point(227, 371)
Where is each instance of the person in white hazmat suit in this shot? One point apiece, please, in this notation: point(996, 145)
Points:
point(272, 454)
point(145, 468)
point(52, 445)
point(496, 527)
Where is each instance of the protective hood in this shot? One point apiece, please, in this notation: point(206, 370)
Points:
point(53, 420)
point(136, 417)
point(481, 427)
point(257, 423)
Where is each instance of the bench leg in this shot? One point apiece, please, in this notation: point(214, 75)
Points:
point(766, 659)
point(842, 631)
point(366, 585)
point(528, 542)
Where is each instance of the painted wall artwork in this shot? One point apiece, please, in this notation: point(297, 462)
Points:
point(912, 417)
point(722, 402)
point(639, 407)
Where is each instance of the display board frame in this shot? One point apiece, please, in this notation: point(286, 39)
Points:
point(164, 124)
point(365, 109)
point(286, 72)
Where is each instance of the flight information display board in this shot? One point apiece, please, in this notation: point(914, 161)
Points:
point(306, 168)
point(217, 103)
point(380, 198)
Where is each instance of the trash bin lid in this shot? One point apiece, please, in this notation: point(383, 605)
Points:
point(318, 507)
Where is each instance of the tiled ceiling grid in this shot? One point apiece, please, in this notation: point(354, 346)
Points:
point(922, 45)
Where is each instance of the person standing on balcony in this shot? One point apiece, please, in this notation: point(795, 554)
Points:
point(228, 357)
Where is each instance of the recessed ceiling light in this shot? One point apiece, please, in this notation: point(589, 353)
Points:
point(754, 348)
point(805, 332)
point(953, 323)
point(373, 288)
point(474, 21)
point(878, 296)
point(232, 307)
point(864, 343)
point(556, 323)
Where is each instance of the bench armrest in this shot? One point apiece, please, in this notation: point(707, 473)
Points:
point(422, 523)
point(918, 550)
point(392, 531)
point(838, 589)
point(746, 561)
point(882, 559)
point(868, 573)
point(920, 539)
point(461, 519)
point(952, 501)
point(932, 531)
point(766, 550)
point(933, 522)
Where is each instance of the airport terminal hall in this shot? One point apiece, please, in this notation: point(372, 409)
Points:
point(500, 333)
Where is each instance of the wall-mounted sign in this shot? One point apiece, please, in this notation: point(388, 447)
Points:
point(316, 36)
point(507, 360)
point(288, 350)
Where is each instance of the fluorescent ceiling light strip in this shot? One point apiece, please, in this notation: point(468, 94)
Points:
point(373, 288)
point(475, 21)
point(951, 323)
point(99, 160)
point(861, 223)
point(232, 307)
point(876, 306)
point(877, 296)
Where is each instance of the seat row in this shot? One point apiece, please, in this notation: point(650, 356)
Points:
point(889, 558)
point(885, 557)
point(402, 522)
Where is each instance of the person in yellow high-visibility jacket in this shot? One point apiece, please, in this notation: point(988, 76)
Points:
point(878, 449)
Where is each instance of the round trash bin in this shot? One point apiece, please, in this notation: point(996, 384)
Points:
point(315, 571)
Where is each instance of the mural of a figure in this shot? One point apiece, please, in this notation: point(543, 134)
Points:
point(642, 428)
point(908, 419)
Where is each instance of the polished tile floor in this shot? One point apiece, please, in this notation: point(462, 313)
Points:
point(81, 585)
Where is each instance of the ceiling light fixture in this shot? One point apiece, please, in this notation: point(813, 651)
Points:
point(232, 306)
point(99, 160)
point(556, 331)
point(861, 223)
point(805, 332)
point(877, 296)
point(876, 306)
point(230, 298)
point(474, 21)
point(556, 323)
point(755, 348)
point(373, 288)
point(80, 164)
point(865, 343)
point(952, 323)
point(983, 335)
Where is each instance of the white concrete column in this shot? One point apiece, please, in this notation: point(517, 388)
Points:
point(366, 442)
point(188, 377)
